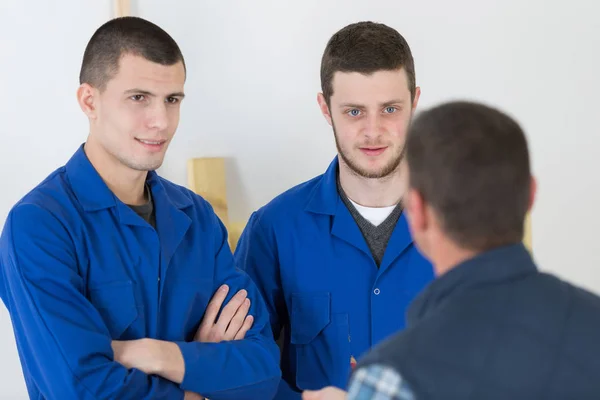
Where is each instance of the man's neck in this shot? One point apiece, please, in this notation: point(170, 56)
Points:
point(447, 256)
point(372, 192)
point(128, 185)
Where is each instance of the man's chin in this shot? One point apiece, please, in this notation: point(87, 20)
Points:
point(374, 170)
point(369, 173)
point(146, 166)
point(371, 168)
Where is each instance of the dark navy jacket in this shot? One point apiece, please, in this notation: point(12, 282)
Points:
point(497, 328)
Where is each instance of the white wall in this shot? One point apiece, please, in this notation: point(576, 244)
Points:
point(252, 84)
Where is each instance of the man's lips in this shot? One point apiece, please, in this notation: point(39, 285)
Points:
point(152, 144)
point(373, 151)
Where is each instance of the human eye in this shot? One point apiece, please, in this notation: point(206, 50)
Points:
point(355, 112)
point(138, 97)
point(172, 100)
point(390, 110)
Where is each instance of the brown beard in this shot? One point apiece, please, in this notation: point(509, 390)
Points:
point(385, 171)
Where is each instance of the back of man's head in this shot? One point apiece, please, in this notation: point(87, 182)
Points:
point(125, 35)
point(470, 163)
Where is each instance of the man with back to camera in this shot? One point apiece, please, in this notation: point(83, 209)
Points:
point(107, 269)
point(491, 326)
point(333, 257)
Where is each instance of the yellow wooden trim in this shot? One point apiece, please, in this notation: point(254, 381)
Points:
point(122, 8)
point(527, 239)
point(207, 178)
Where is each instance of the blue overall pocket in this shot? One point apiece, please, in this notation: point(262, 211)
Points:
point(320, 340)
point(116, 304)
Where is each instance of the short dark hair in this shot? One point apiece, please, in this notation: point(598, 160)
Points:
point(366, 47)
point(470, 162)
point(125, 35)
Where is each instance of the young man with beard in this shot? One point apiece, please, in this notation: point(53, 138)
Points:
point(333, 257)
point(107, 269)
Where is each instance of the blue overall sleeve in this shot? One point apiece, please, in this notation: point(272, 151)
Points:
point(240, 369)
point(257, 255)
point(61, 337)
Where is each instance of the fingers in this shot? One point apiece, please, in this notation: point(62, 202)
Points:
point(229, 311)
point(212, 310)
point(238, 320)
point(232, 322)
point(205, 330)
point(245, 328)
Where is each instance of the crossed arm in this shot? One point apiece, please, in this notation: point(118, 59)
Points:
point(68, 351)
point(63, 342)
point(156, 357)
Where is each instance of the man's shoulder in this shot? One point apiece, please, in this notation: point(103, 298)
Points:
point(289, 203)
point(579, 305)
point(183, 197)
point(199, 209)
point(52, 194)
point(545, 298)
point(45, 207)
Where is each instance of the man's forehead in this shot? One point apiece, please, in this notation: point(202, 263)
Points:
point(380, 86)
point(137, 68)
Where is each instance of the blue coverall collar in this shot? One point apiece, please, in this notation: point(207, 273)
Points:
point(326, 200)
point(325, 197)
point(94, 194)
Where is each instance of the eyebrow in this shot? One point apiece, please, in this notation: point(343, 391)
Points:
point(386, 104)
point(351, 105)
point(147, 93)
point(392, 102)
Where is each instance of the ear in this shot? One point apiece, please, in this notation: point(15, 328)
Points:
point(416, 213)
point(87, 97)
point(324, 108)
point(416, 100)
point(532, 193)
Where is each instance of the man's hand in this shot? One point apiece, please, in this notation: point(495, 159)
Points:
point(153, 357)
point(141, 354)
point(157, 357)
point(192, 396)
point(233, 322)
point(329, 393)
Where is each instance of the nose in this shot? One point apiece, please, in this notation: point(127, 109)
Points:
point(158, 117)
point(373, 126)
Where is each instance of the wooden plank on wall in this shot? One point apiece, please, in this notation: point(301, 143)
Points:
point(206, 177)
point(527, 239)
point(122, 8)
